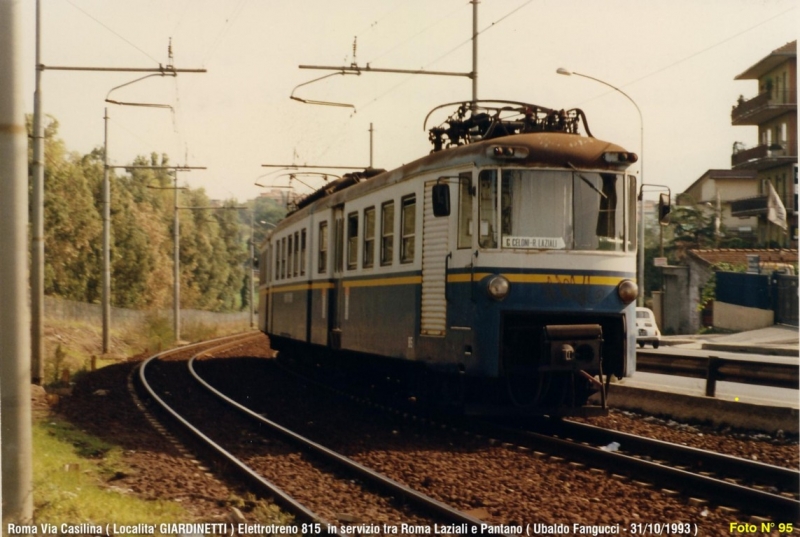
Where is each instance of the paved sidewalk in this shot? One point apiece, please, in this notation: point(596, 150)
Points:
point(780, 340)
point(739, 405)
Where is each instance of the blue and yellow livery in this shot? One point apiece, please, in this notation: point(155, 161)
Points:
point(499, 269)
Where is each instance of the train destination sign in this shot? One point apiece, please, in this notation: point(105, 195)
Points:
point(538, 243)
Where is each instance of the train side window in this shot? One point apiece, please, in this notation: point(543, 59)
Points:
point(276, 251)
point(283, 258)
point(289, 258)
point(352, 240)
point(408, 223)
point(296, 256)
point(387, 232)
point(464, 210)
point(487, 189)
point(263, 267)
point(369, 237)
point(303, 252)
point(322, 254)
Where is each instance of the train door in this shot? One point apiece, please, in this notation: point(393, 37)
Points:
point(435, 258)
point(337, 303)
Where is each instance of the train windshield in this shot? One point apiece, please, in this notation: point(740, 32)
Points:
point(555, 209)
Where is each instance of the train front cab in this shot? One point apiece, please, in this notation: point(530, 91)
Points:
point(538, 293)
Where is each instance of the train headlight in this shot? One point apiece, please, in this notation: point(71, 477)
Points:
point(498, 287)
point(627, 291)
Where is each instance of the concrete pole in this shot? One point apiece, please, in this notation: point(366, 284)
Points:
point(251, 267)
point(106, 241)
point(371, 134)
point(640, 251)
point(37, 219)
point(15, 315)
point(176, 266)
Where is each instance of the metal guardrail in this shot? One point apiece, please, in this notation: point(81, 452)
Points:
point(715, 368)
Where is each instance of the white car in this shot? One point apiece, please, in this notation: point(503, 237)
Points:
point(646, 328)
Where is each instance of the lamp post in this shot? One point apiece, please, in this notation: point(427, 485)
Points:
point(567, 72)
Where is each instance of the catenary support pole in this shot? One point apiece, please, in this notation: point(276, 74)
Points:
point(15, 315)
point(37, 218)
point(176, 267)
point(106, 241)
point(474, 74)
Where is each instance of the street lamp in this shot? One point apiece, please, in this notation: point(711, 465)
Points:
point(567, 72)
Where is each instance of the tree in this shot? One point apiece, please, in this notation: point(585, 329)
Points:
point(72, 224)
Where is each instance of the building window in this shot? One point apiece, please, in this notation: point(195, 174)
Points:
point(352, 240)
point(322, 254)
point(296, 256)
point(369, 237)
point(387, 232)
point(408, 224)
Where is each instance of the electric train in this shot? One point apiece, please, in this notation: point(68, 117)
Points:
point(496, 275)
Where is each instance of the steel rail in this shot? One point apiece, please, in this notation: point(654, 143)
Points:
point(785, 479)
point(281, 497)
point(715, 490)
point(412, 496)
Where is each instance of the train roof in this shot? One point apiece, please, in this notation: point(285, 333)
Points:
point(532, 150)
point(536, 137)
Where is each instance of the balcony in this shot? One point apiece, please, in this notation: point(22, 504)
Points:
point(749, 206)
point(764, 107)
point(763, 157)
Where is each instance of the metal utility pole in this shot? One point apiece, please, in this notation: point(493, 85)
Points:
point(371, 133)
point(176, 299)
point(37, 209)
point(37, 220)
point(15, 335)
point(106, 294)
point(355, 69)
point(474, 53)
point(176, 267)
point(106, 241)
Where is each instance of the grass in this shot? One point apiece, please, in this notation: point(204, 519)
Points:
point(74, 347)
point(73, 481)
point(74, 475)
point(74, 472)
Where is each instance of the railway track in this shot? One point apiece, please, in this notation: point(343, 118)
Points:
point(352, 499)
point(702, 476)
point(748, 486)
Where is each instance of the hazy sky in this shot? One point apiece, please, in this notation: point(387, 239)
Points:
point(676, 59)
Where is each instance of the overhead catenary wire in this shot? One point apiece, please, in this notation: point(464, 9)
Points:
point(425, 29)
point(101, 23)
point(693, 55)
point(229, 20)
point(407, 79)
